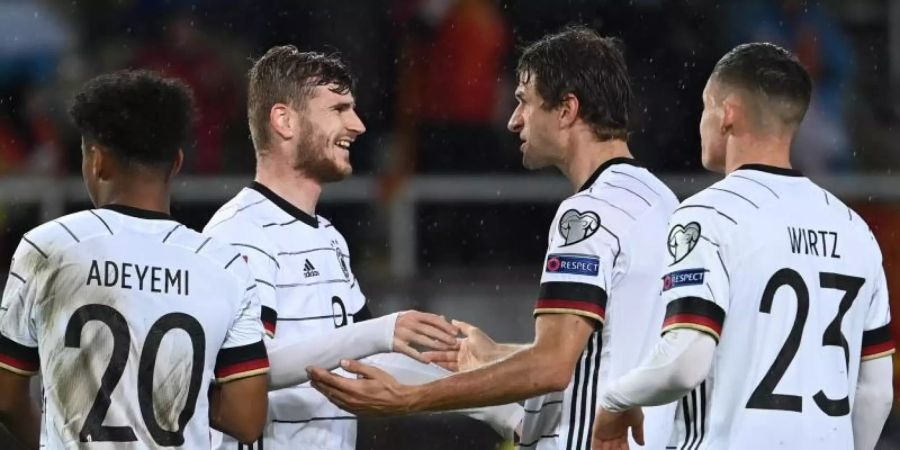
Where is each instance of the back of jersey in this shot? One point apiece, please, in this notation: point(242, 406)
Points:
point(789, 280)
point(128, 315)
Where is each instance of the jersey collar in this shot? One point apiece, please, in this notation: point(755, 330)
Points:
point(138, 212)
point(610, 162)
point(285, 205)
point(771, 169)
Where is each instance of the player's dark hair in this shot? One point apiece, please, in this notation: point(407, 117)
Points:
point(139, 116)
point(287, 75)
point(771, 73)
point(591, 67)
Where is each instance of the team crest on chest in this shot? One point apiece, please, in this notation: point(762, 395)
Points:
point(683, 239)
point(342, 259)
point(575, 226)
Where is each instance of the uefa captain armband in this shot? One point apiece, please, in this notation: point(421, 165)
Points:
point(681, 278)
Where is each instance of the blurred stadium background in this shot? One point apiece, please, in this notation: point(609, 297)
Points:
point(440, 215)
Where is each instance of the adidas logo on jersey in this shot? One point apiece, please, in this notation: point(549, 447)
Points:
point(309, 270)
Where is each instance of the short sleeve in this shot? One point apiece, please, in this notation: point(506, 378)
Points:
point(579, 263)
point(243, 353)
point(695, 281)
point(877, 338)
point(261, 256)
point(18, 335)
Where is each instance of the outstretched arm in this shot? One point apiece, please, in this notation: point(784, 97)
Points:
point(680, 362)
point(289, 358)
point(504, 419)
point(542, 367)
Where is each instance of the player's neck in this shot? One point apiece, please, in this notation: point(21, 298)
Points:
point(773, 152)
point(142, 194)
point(584, 160)
point(299, 190)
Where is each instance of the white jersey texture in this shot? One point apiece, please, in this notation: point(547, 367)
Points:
point(301, 264)
point(789, 281)
point(128, 315)
point(604, 257)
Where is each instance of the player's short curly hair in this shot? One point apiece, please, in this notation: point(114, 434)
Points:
point(287, 75)
point(141, 117)
point(770, 73)
point(591, 67)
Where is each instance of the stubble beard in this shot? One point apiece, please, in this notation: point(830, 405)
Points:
point(311, 157)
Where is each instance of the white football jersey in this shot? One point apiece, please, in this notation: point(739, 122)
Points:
point(789, 281)
point(302, 265)
point(128, 315)
point(606, 250)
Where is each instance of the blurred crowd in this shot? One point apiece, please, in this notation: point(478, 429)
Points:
point(436, 76)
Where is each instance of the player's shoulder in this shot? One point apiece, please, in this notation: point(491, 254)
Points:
point(216, 254)
point(623, 194)
point(67, 231)
point(727, 202)
point(244, 219)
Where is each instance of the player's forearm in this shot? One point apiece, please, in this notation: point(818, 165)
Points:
point(523, 374)
point(24, 422)
point(872, 404)
point(680, 362)
point(503, 419)
point(504, 350)
point(289, 358)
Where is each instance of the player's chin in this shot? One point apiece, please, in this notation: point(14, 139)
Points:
point(531, 162)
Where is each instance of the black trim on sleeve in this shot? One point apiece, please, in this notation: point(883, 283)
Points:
point(565, 290)
point(18, 357)
point(269, 319)
point(363, 314)
point(234, 361)
point(878, 342)
point(559, 297)
point(696, 313)
point(285, 205)
point(877, 336)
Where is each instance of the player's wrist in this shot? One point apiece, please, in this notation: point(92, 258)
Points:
point(413, 398)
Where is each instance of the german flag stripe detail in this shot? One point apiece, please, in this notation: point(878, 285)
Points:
point(18, 358)
point(269, 319)
point(695, 313)
point(240, 362)
point(562, 297)
point(570, 291)
point(877, 343)
point(555, 306)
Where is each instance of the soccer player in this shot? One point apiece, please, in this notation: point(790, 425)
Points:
point(777, 325)
point(127, 313)
point(302, 121)
point(597, 301)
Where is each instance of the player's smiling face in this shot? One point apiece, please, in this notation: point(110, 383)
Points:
point(534, 124)
point(712, 137)
point(329, 125)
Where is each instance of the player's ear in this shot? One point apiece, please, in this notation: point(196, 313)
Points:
point(179, 161)
point(100, 163)
point(568, 110)
point(733, 112)
point(282, 120)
